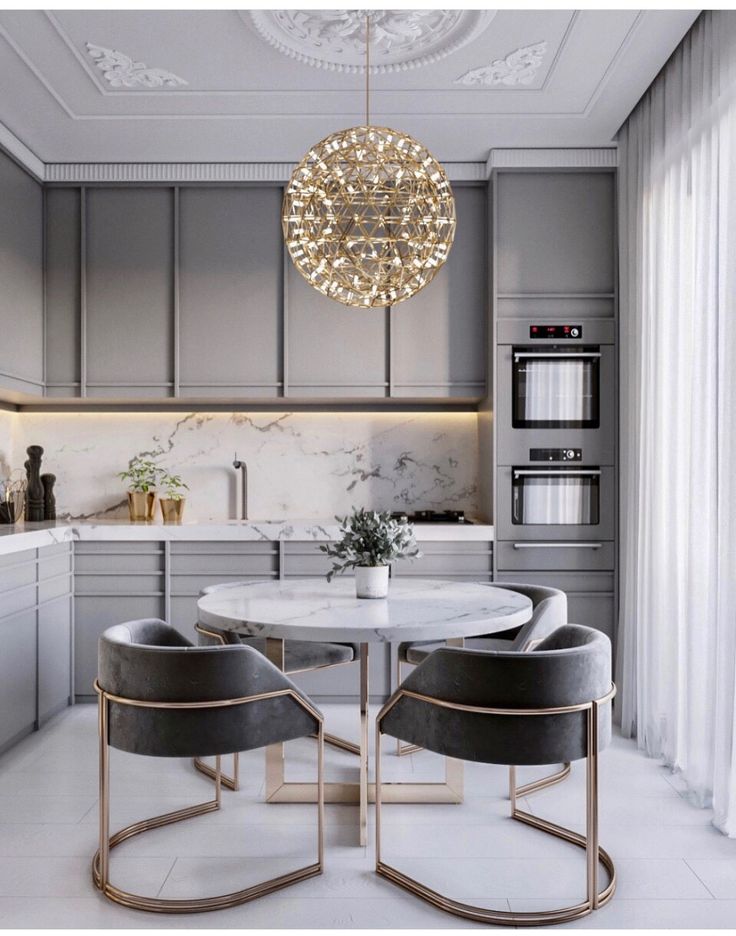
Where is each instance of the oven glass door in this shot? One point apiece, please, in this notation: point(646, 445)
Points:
point(556, 388)
point(555, 497)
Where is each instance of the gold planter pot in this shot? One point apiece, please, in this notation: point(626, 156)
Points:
point(141, 505)
point(172, 509)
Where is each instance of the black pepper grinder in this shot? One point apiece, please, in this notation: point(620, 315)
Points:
point(34, 494)
point(49, 500)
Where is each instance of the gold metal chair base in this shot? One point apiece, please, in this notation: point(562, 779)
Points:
point(101, 860)
point(595, 855)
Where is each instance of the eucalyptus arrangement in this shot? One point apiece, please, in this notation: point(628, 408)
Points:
point(370, 541)
point(172, 500)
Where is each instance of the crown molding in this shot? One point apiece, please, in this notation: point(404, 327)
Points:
point(82, 173)
point(600, 157)
point(21, 154)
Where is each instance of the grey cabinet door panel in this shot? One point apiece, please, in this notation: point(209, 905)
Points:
point(92, 615)
point(555, 232)
point(438, 336)
point(333, 350)
point(17, 675)
point(230, 289)
point(130, 286)
point(17, 575)
point(530, 556)
point(54, 655)
point(63, 292)
point(21, 276)
point(306, 560)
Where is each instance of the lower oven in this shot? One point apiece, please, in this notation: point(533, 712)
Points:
point(555, 502)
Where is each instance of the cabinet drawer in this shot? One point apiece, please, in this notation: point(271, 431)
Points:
point(52, 588)
point(233, 548)
point(124, 564)
point(16, 576)
point(572, 581)
point(225, 564)
point(19, 599)
point(590, 554)
point(121, 583)
point(304, 560)
point(51, 566)
point(192, 585)
point(17, 559)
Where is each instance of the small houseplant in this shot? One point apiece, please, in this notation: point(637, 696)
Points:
point(142, 477)
point(172, 500)
point(369, 543)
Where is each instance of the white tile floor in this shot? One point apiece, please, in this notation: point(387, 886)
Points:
point(675, 870)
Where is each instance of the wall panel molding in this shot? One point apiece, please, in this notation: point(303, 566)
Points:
point(603, 157)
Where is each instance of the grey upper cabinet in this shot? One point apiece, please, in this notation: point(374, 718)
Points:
point(438, 336)
point(63, 292)
point(333, 350)
point(555, 243)
point(21, 276)
point(129, 313)
point(230, 287)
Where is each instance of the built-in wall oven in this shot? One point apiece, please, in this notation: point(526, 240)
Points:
point(555, 391)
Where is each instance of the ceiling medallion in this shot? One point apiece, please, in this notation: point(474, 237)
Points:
point(400, 39)
point(518, 68)
point(368, 214)
point(122, 72)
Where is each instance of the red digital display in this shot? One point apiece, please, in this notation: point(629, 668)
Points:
point(555, 331)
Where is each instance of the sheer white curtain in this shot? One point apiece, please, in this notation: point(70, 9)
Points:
point(677, 202)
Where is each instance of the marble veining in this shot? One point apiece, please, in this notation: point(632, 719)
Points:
point(420, 609)
point(309, 465)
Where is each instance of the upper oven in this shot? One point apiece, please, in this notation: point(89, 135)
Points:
point(555, 392)
point(556, 387)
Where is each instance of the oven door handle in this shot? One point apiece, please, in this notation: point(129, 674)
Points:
point(558, 545)
point(541, 472)
point(556, 354)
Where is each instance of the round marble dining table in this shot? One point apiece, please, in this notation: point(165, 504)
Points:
point(313, 609)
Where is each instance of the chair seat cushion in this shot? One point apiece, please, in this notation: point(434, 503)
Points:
point(307, 654)
point(418, 652)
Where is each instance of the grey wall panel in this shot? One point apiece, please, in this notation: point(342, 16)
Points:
point(130, 263)
point(63, 289)
point(21, 276)
point(230, 288)
point(438, 336)
point(54, 659)
point(17, 675)
point(333, 350)
point(555, 232)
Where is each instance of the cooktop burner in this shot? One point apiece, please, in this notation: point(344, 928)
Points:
point(432, 516)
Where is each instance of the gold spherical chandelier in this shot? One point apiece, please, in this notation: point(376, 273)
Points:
point(368, 214)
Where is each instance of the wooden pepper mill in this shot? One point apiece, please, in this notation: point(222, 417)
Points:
point(49, 500)
point(34, 494)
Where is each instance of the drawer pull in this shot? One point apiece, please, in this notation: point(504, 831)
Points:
point(558, 545)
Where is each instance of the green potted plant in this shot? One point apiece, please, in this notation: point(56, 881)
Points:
point(172, 501)
point(370, 541)
point(142, 477)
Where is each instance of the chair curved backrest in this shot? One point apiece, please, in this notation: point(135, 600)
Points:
point(571, 666)
point(212, 635)
point(550, 612)
point(150, 662)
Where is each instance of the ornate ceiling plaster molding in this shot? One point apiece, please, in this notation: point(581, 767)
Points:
point(120, 71)
point(517, 68)
point(400, 39)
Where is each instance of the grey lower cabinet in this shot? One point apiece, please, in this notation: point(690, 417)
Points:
point(36, 626)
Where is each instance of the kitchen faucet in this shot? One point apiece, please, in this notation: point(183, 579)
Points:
point(243, 486)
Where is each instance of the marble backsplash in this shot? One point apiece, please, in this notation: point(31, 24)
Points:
point(301, 465)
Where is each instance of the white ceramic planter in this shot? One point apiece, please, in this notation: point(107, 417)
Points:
point(371, 581)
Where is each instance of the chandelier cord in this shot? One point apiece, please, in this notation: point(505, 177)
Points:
point(367, 69)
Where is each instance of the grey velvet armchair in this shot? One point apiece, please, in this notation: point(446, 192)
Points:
point(162, 697)
point(300, 656)
point(546, 706)
point(549, 612)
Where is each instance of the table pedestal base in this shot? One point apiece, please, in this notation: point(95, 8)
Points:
point(279, 790)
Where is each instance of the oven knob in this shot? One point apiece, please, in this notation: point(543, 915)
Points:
point(570, 454)
point(574, 332)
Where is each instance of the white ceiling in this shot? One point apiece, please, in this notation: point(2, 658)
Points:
point(228, 94)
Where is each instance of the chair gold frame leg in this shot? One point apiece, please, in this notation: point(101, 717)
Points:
point(595, 855)
point(101, 860)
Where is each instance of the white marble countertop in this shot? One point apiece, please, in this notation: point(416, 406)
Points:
point(35, 535)
point(422, 609)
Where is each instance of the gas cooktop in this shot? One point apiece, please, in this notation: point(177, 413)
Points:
point(432, 516)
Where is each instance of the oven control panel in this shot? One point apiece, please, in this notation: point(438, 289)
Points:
point(556, 331)
point(556, 454)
